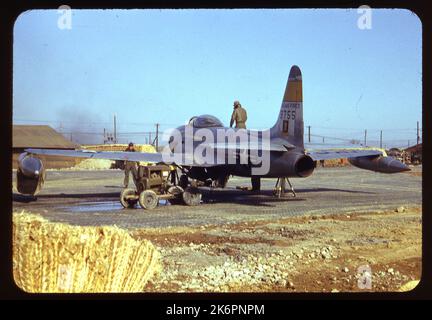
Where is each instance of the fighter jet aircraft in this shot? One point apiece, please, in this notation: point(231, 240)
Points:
point(205, 150)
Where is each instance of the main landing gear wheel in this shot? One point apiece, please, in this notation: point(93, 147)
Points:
point(148, 199)
point(192, 196)
point(126, 198)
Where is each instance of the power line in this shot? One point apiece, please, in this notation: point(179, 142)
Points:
point(351, 137)
point(362, 130)
point(93, 122)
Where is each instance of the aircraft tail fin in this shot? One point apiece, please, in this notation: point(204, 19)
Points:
point(289, 125)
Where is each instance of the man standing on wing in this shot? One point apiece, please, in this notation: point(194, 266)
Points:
point(239, 116)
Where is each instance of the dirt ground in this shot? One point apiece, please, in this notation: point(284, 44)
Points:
point(328, 253)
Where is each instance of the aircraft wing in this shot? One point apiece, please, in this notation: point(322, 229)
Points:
point(185, 159)
point(109, 155)
point(342, 153)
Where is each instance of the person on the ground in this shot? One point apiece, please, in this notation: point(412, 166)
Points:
point(130, 166)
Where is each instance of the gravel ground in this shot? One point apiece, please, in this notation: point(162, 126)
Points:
point(378, 251)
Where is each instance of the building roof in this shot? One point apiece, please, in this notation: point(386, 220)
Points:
point(36, 136)
point(415, 148)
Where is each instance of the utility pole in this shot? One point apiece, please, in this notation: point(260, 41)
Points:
point(381, 139)
point(115, 129)
point(150, 140)
point(104, 138)
point(309, 133)
point(157, 136)
point(365, 138)
point(418, 135)
point(323, 139)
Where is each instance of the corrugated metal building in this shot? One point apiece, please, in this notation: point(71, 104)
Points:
point(41, 137)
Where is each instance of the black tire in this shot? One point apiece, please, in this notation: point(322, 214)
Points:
point(192, 196)
point(148, 199)
point(177, 192)
point(128, 203)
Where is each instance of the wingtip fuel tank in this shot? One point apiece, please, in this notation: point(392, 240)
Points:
point(30, 174)
point(379, 164)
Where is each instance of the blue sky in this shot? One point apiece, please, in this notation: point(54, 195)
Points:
point(164, 66)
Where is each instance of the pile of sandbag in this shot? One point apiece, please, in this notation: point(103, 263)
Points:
point(102, 164)
point(55, 257)
point(120, 147)
point(94, 164)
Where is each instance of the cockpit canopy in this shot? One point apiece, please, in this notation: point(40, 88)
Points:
point(205, 121)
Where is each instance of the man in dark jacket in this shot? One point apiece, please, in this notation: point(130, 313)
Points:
point(130, 166)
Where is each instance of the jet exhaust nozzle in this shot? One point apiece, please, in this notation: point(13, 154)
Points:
point(292, 164)
point(30, 174)
point(304, 166)
point(379, 164)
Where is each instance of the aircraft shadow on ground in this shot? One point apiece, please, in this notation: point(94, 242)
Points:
point(264, 198)
point(247, 200)
point(332, 190)
point(236, 192)
point(23, 198)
